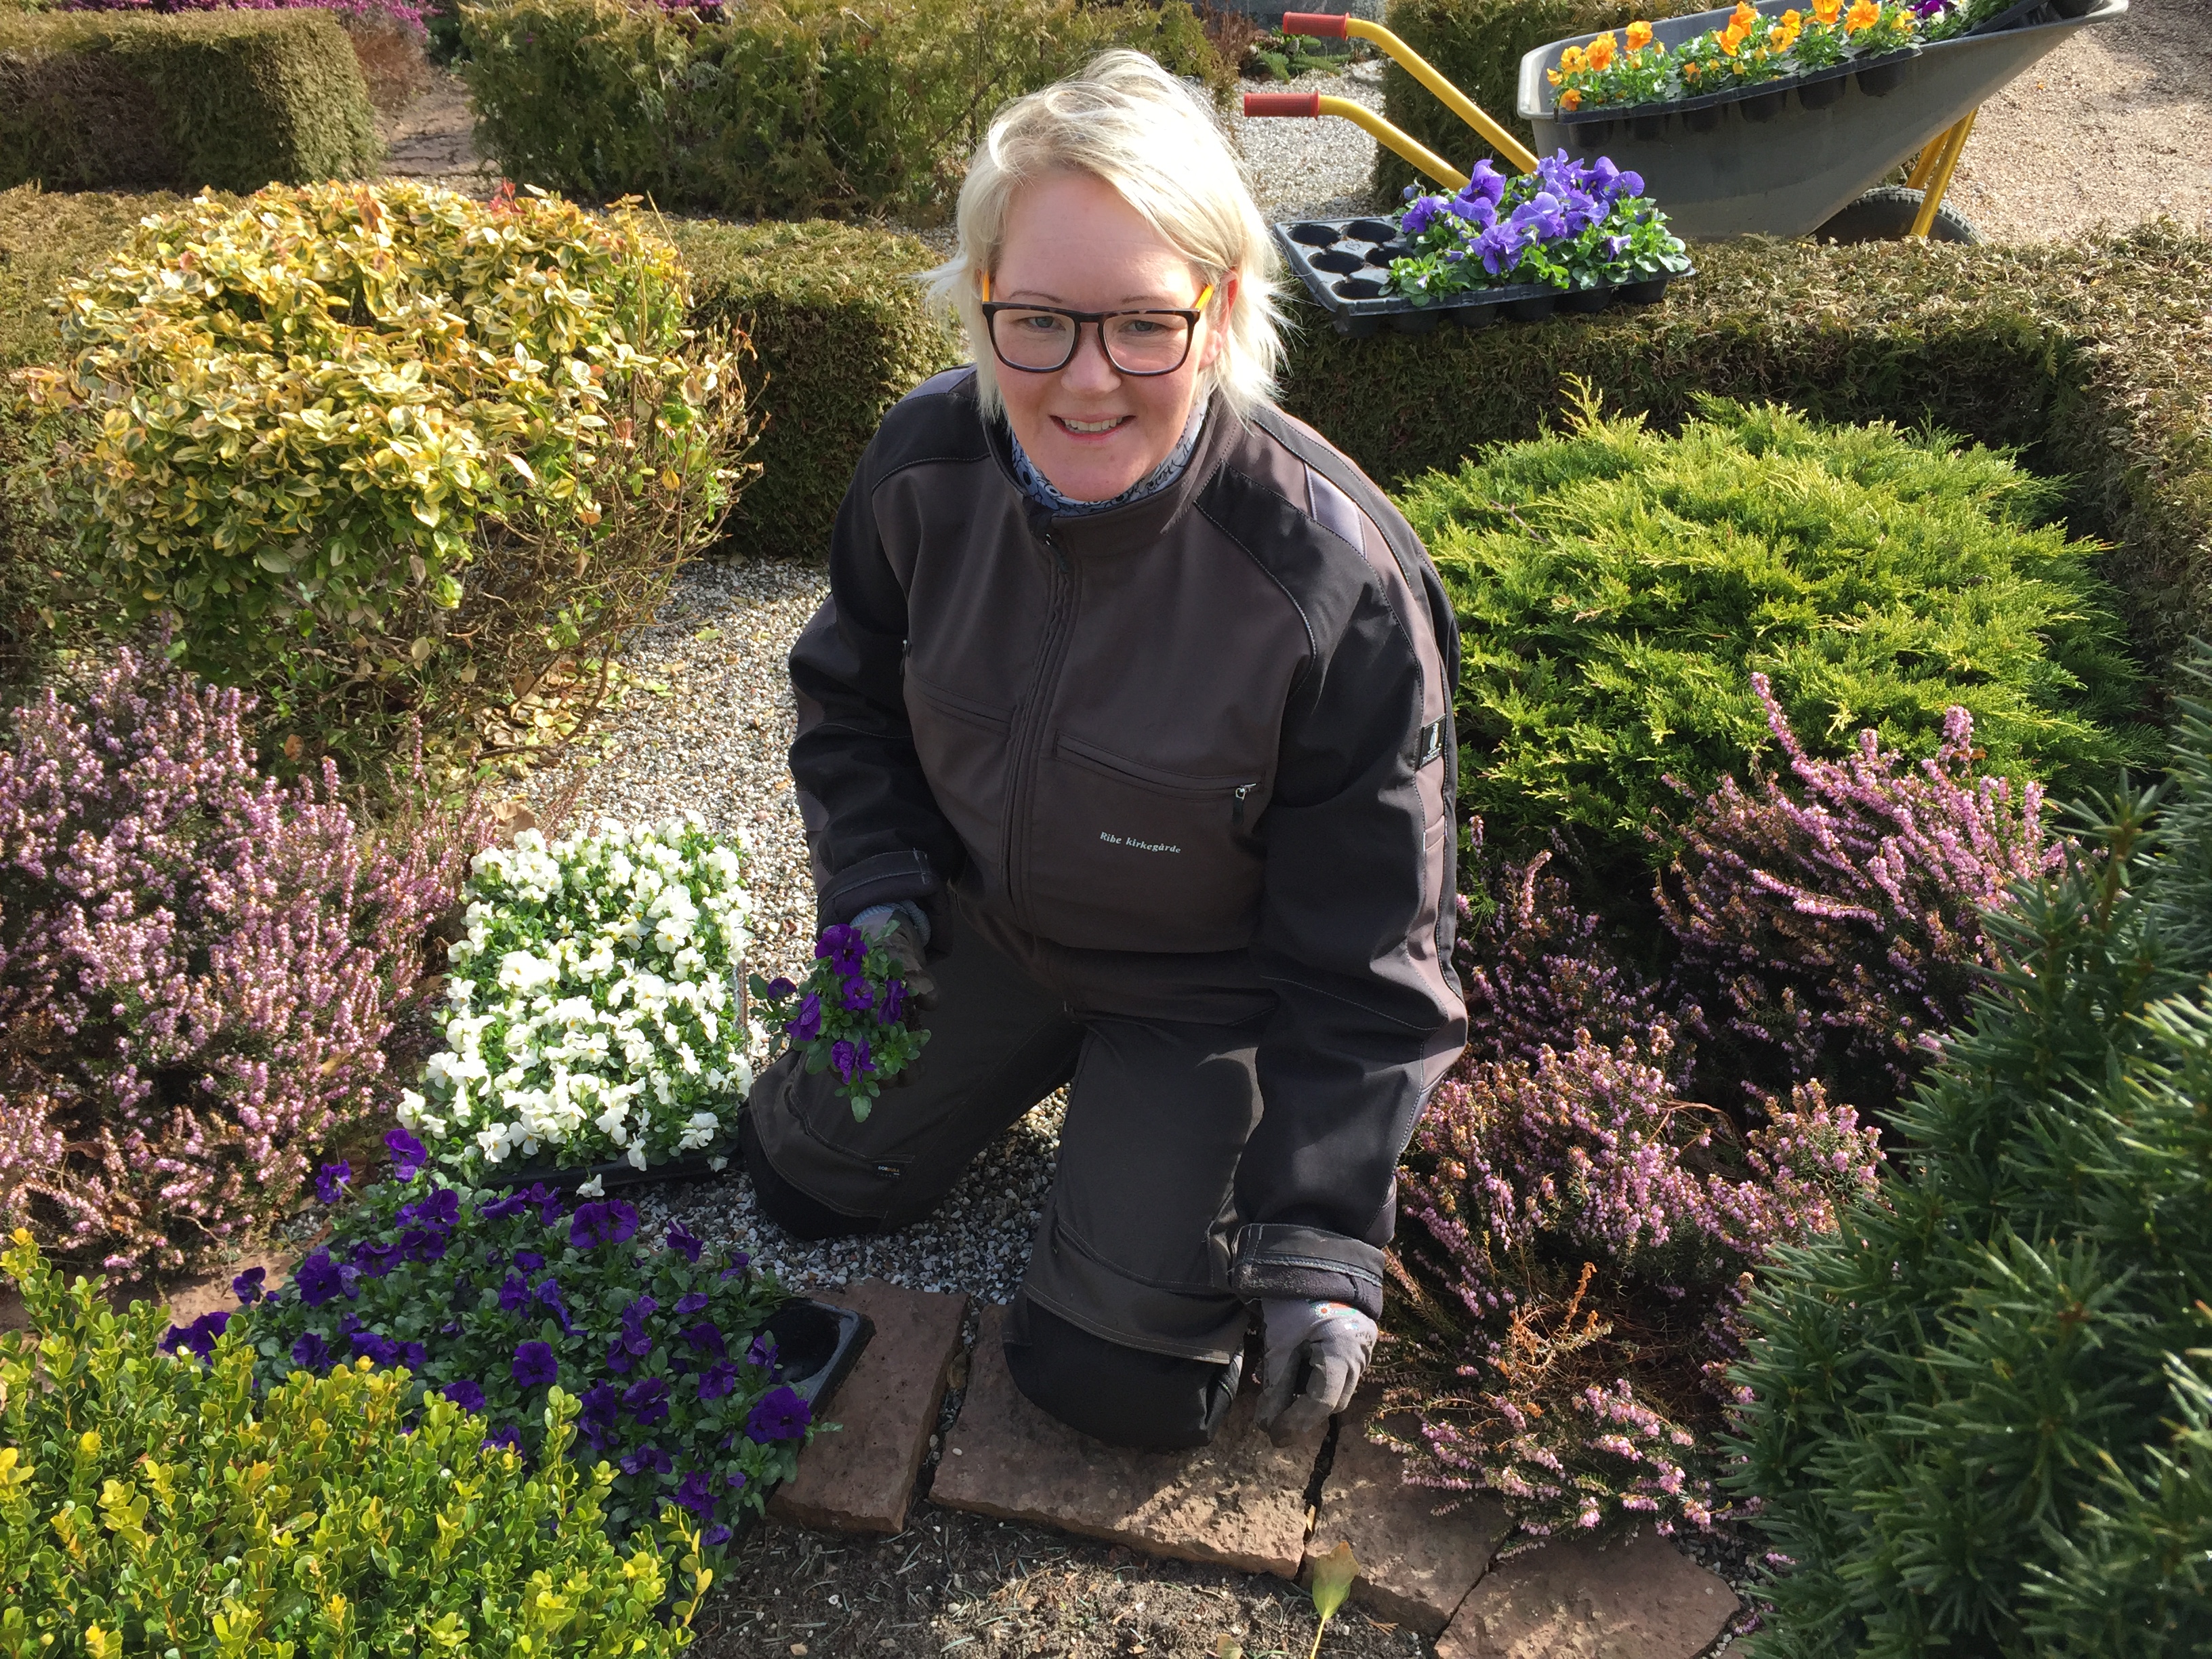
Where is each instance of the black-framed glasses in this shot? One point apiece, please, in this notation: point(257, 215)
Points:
point(1041, 339)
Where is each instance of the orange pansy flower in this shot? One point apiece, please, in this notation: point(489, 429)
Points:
point(1639, 36)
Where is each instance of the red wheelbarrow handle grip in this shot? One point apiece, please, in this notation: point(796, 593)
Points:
point(1328, 25)
point(1282, 103)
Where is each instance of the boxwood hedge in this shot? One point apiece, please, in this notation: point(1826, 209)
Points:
point(234, 99)
point(805, 107)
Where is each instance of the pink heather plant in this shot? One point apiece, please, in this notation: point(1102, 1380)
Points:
point(406, 13)
point(197, 969)
point(1835, 929)
point(1535, 967)
point(1587, 1170)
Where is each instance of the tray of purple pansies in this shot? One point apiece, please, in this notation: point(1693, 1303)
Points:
point(1569, 235)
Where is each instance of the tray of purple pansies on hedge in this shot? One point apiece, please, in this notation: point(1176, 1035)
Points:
point(1578, 236)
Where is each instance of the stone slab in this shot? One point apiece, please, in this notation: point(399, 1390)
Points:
point(1420, 1551)
point(1239, 1502)
point(861, 1478)
point(1640, 1599)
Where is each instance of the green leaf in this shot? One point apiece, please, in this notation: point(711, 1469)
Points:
point(1332, 1581)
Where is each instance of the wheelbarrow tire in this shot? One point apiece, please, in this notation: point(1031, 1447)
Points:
point(1886, 213)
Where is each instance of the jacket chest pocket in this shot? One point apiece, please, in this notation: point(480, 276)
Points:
point(1126, 856)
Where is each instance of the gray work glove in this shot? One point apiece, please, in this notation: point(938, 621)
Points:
point(902, 932)
point(1316, 1353)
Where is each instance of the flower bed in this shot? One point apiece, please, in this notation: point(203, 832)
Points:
point(1594, 1191)
point(494, 1301)
point(148, 1499)
point(592, 1005)
point(198, 968)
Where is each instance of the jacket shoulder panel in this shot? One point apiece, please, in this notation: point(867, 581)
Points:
point(940, 421)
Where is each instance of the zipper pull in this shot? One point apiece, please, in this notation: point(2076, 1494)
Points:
point(1237, 798)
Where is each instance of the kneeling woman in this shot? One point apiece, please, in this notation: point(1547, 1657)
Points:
point(1129, 721)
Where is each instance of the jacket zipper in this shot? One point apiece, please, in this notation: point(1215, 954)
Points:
point(1025, 740)
point(1237, 797)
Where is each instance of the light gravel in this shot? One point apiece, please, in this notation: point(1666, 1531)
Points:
point(1317, 168)
point(705, 724)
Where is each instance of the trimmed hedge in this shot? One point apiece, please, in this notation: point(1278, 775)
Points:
point(229, 99)
point(787, 111)
point(1477, 45)
point(2093, 360)
point(841, 333)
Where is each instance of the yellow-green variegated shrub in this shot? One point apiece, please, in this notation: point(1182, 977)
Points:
point(375, 451)
point(155, 1503)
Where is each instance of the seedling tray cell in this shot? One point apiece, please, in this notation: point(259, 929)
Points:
point(817, 1346)
point(1759, 102)
point(1345, 264)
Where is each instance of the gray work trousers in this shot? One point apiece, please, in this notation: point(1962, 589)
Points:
point(1124, 1326)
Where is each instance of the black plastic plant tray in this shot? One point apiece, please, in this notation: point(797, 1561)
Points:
point(692, 1166)
point(1345, 262)
point(1877, 77)
point(817, 1346)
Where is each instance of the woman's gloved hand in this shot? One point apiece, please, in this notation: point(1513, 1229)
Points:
point(1316, 1351)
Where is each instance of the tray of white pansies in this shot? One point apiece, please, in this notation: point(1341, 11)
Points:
point(595, 1034)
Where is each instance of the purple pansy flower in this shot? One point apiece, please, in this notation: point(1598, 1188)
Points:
point(648, 1457)
point(603, 1221)
point(331, 1179)
point(779, 989)
point(466, 1393)
point(198, 1337)
point(550, 1294)
point(845, 947)
point(705, 1339)
point(859, 996)
point(894, 1008)
point(718, 1380)
point(379, 1349)
point(509, 1438)
point(534, 1366)
point(805, 1025)
point(408, 1154)
point(779, 1414)
point(246, 1287)
point(681, 1239)
point(529, 1260)
point(695, 1494)
point(319, 1279)
point(513, 1204)
point(513, 1294)
point(647, 1400)
point(694, 1302)
point(310, 1353)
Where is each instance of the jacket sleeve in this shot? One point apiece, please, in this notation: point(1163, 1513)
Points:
point(1354, 937)
point(873, 830)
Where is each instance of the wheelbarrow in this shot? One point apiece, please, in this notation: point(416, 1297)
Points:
point(1784, 158)
point(1796, 157)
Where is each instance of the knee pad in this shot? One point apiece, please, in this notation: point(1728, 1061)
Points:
point(803, 1217)
point(1122, 1395)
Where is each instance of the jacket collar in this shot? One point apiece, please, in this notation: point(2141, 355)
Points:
point(1123, 529)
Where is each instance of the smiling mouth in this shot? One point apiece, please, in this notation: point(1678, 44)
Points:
point(1091, 429)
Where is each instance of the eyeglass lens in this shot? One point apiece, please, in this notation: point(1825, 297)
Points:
point(1138, 343)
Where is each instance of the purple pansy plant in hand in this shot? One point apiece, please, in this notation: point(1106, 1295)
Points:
point(849, 1015)
point(1568, 224)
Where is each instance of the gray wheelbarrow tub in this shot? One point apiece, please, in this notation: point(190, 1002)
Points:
point(1787, 176)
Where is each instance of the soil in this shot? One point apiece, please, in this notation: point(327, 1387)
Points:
point(2112, 129)
point(953, 1582)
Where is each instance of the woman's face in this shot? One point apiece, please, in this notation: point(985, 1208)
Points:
point(1071, 242)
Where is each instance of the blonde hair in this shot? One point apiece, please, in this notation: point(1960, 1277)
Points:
point(1128, 123)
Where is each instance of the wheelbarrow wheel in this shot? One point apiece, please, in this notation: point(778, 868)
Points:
point(1886, 213)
